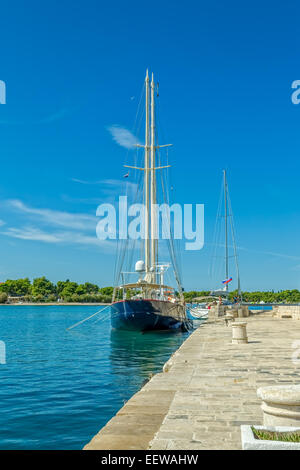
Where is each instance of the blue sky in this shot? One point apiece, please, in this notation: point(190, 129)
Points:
point(73, 69)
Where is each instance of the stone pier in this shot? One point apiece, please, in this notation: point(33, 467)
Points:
point(287, 311)
point(208, 388)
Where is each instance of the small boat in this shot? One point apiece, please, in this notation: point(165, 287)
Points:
point(199, 311)
point(148, 303)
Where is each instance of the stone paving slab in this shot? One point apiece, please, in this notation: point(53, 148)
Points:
point(208, 389)
point(221, 382)
point(136, 422)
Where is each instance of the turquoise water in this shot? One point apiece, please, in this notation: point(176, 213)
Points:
point(58, 387)
point(260, 307)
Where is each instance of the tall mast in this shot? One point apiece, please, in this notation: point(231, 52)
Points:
point(235, 250)
point(150, 191)
point(153, 183)
point(226, 229)
point(146, 172)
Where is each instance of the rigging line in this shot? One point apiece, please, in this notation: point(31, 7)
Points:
point(164, 139)
point(175, 262)
point(129, 253)
point(130, 259)
point(139, 105)
point(85, 319)
point(216, 235)
point(104, 318)
point(168, 174)
point(124, 249)
point(137, 133)
point(136, 155)
point(122, 254)
point(172, 245)
point(175, 243)
point(121, 246)
point(136, 117)
point(217, 227)
point(231, 256)
point(134, 195)
point(234, 244)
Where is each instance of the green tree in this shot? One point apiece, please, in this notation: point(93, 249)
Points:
point(3, 297)
point(80, 290)
point(91, 288)
point(189, 296)
point(68, 290)
point(23, 286)
point(75, 298)
point(108, 291)
point(87, 288)
point(61, 285)
point(16, 287)
point(42, 288)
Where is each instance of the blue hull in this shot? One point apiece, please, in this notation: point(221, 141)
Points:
point(143, 315)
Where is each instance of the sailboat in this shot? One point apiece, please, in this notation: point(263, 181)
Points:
point(229, 232)
point(149, 303)
point(224, 214)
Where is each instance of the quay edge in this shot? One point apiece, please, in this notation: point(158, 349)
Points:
point(207, 390)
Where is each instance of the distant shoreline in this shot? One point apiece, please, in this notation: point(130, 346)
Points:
point(47, 304)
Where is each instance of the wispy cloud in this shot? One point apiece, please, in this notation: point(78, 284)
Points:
point(60, 114)
point(268, 253)
point(35, 234)
point(95, 201)
point(54, 217)
point(108, 182)
point(31, 233)
point(271, 253)
point(110, 187)
point(76, 180)
point(123, 136)
point(117, 184)
point(56, 227)
point(56, 116)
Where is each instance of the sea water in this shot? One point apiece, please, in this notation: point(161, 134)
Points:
point(58, 388)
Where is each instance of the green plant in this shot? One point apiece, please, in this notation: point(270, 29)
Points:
point(289, 436)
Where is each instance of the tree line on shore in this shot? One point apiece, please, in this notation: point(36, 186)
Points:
point(43, 290)
point(283, 296)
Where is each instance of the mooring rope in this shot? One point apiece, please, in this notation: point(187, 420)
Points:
point(82, 321)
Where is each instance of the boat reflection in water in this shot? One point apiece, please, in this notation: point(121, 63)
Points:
point(141, 355)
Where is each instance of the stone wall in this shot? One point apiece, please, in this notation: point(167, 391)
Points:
point(221, 310)
point(287, 311)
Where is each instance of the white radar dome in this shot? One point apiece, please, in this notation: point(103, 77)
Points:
point(140, 266)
